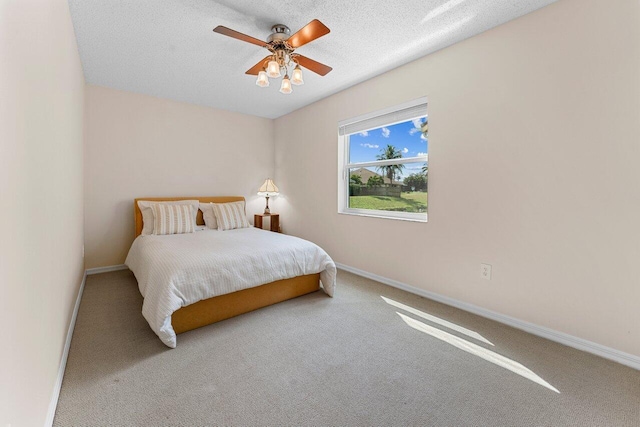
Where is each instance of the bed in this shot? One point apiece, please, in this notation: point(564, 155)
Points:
point(195, 279)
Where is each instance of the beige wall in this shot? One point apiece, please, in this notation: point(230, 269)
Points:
point(533, 130)
point(41, 209)
point(141, 146)
point(534, 149)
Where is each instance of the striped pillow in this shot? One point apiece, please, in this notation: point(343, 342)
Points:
point(147, 213)
point(172, 219)
point(230, 215)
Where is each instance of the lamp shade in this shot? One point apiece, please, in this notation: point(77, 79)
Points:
point(296, 78)
point(285, 87)
point(273, 69)
point(268, 189)
point(263, 80)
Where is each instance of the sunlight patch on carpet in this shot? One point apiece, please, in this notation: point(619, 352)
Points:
point(437, 320)
point(476, 350)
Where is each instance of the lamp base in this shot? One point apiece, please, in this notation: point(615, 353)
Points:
point(266, 209)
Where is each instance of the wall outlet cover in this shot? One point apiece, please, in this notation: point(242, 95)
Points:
point(485, 271)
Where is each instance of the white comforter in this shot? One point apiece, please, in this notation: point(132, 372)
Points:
point(177, 270)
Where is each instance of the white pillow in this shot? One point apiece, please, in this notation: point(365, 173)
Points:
point(147, 213)
point(208, 215)
point(230, 215)
point(172, 219)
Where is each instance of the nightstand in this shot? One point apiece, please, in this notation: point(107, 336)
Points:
point(275, 221)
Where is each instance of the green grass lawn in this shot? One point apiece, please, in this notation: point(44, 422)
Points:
point(407, 202)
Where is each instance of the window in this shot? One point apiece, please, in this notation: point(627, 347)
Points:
point(383, 163)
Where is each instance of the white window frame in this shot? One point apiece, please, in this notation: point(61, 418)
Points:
point(386, 117)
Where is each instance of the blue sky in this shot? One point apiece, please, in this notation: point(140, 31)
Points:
point(365, 146)
point(405, 136)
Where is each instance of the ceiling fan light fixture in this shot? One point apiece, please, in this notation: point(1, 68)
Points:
point(263, 80)
point(281, 58)
point(286, 86)
point(296, 77)
point(273, 69)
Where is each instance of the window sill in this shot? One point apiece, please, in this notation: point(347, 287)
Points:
point(385, 215)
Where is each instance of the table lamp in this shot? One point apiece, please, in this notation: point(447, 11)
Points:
point(267, 190)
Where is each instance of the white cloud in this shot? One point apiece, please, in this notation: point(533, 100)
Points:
point(423, 137)
point(405, 150)
point(386, 132)
point(366, 144)
point(421, 154)
point(364, 133)
point(417, 127)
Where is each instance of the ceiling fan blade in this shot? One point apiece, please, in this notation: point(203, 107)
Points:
point(313, 30)
point(237, 35)
point(259, 66)
point(312, 65)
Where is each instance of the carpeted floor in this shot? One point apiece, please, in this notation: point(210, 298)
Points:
point(314, 360)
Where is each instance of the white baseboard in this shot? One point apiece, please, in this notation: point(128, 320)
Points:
point(65, 353)
point(559, 337)
point(106, 269)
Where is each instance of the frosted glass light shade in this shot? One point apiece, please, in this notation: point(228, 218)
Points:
point(296, 77)
point(273, 69)
point(286, 86)
point(263, 80)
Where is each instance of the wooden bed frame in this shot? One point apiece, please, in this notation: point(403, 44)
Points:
point(223, 307)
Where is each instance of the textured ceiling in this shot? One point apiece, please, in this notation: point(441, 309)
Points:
point(168, 49)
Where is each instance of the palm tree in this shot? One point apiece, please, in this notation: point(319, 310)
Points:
point(421, 126)
point(388, 153)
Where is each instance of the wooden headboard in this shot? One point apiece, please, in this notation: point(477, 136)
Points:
point(199, 220)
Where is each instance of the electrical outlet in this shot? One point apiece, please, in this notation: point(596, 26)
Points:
point(485, 271)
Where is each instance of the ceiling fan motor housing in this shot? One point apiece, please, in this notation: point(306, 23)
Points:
point(279, 33)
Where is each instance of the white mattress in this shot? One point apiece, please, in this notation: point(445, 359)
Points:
point(181, 269)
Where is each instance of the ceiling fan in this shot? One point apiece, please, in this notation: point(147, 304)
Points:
point(282, 56)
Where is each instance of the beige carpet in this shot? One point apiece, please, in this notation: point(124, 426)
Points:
point(350, 360)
